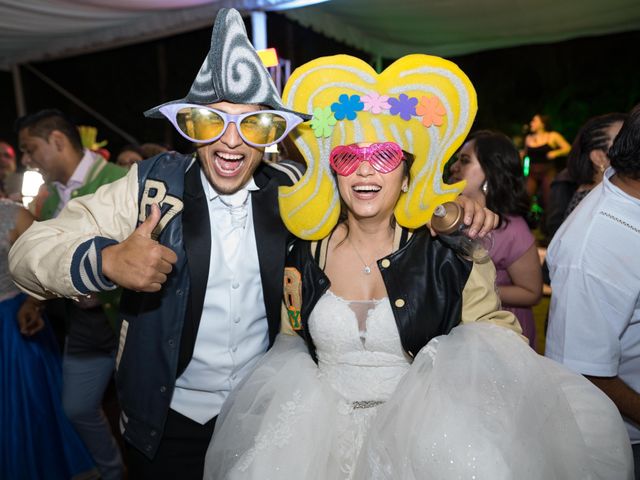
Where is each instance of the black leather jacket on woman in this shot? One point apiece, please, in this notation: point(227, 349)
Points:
point(431, 288)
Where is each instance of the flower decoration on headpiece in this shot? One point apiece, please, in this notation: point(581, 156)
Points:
point(375, 103)
point(403, 106)
point(347, 106)
point(323, 122)
point(432, 111)
point(423, 103)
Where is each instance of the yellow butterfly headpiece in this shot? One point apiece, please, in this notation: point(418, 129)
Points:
point(423, 103)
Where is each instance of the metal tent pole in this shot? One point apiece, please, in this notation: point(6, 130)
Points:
point(21, 107)
point(259, 30)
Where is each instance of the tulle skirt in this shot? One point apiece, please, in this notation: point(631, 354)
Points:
point(477, 403)
point(37, 441)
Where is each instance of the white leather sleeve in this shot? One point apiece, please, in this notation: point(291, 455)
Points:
point(40, 260)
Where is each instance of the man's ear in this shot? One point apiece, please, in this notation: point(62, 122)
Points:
point(58, 139)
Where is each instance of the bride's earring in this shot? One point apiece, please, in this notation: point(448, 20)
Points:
point(485, 187)
point(405, 188)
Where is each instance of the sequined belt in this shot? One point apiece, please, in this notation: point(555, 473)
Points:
point(366, 404)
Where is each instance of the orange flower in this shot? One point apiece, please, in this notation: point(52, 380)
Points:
point(431, 110)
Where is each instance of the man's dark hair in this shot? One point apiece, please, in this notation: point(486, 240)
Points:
point(625, 151)
point(592, 136)
point(42, 123)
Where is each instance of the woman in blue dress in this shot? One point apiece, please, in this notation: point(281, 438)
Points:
point(37, 441)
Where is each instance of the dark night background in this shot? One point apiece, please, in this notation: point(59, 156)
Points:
point(571, 80)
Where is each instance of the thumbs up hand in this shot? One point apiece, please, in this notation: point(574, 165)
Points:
point(139, 262)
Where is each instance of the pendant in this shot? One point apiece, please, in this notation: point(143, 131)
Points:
point(366, 269)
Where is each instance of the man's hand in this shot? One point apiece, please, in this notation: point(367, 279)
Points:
point(481, 220)
point(139, 263)
point(30, 319)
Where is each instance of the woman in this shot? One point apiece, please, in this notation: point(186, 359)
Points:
point(588, 159)
point(357, 385)
point(37, 440)
point(585, 168)
point(490, 164)
point(542, 146)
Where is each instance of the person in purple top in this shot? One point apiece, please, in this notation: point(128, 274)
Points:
point(490, 164)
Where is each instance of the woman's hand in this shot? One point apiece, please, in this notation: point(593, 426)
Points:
point(479, 219)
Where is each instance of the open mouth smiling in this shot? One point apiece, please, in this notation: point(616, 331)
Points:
point(228, 164)
point(366, 191)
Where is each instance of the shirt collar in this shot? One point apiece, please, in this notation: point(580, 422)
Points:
point(606, 184)
point(237, 198)
point(80, 173)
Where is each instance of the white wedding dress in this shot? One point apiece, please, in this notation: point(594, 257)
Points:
point(475, 404)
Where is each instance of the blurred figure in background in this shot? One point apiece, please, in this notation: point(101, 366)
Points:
point(594, 320)
point(490, 163)
point(37, 440)
point(129, 155)
point(585, 167)
point(89, 139)
point(542, 145)
point(10, 179)
point(149, 150)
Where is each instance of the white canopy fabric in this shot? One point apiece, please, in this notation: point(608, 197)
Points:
point(393, 28)
point(32, 30)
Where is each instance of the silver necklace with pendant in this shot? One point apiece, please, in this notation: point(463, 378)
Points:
point(367, 268)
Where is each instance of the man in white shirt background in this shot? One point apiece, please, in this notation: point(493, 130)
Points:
point(594, 259)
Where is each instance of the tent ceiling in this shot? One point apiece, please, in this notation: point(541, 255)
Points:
point(33, 30)
point(393, 28)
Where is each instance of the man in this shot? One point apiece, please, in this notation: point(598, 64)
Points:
point(594, 323)
point(51, 142)
point(204, 301)
point(203, 272)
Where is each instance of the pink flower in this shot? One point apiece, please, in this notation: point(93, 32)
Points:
point(375, 103)
point(432, 111)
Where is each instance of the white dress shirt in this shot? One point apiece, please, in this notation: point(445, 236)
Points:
point(594, 319)
point(233, 330)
